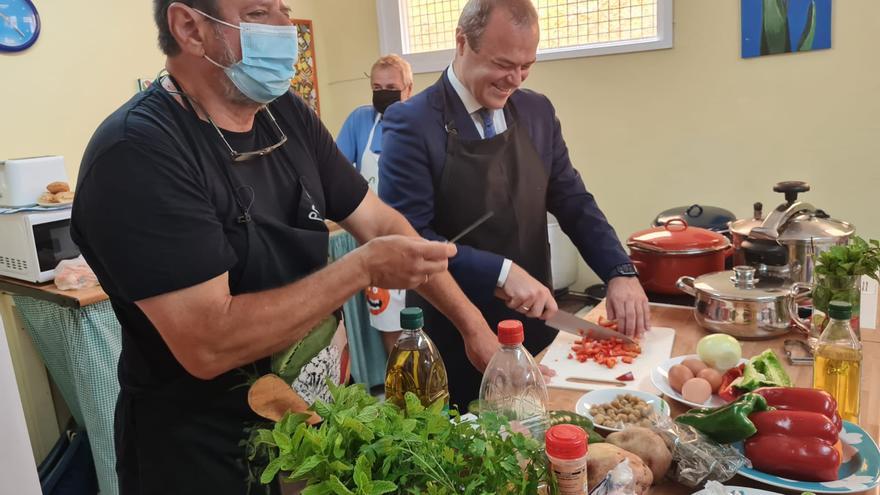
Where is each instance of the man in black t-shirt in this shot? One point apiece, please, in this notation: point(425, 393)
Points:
point(201, 205)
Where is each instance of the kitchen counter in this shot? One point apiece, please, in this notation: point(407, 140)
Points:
point(72, 298)
point(48, 292)
point(688, 333)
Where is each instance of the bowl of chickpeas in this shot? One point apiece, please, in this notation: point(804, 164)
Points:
point(614, 410)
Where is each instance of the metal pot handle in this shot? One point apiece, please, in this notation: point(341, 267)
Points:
point(686, 285)
point(799, 291)
point(679, 220)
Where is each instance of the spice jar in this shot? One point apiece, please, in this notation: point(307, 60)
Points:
point(566, 447)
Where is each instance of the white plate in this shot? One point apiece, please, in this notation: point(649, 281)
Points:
point(55, 205)
point(660, 378)
point(858, 472)
point(740, 490)
point(605, 396)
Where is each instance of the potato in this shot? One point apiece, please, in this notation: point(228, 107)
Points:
point(646, 444)
point(603, 457)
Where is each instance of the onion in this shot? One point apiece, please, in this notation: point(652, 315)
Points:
point(720, 351)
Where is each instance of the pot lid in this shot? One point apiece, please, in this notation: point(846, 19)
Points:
point(745, 225)
point(677, 237)
point(703, 216)
point(796, 220)
point(816, 225)
point(741, 284)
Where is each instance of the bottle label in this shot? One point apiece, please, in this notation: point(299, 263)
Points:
point(571, 482)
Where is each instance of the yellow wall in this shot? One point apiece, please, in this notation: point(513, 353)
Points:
point(694, 124)
point(648, 131)
point(85, 65)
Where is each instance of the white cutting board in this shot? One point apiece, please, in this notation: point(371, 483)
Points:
point(656, 348)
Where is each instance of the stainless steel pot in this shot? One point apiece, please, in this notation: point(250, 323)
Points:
point(784, 245)
point(738, 304)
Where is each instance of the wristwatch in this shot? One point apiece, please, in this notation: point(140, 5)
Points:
point(624, 270)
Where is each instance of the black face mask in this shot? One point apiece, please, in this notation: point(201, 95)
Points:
point(383, 98)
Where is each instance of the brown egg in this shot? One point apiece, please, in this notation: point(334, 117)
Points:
point(695, 365)
point(696, 390)
point(679, 374)
point(712, 376)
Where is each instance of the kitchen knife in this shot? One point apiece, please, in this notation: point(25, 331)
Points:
point(569, 323)
point(472, 226)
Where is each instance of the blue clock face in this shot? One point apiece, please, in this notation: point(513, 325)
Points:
point(19, 25)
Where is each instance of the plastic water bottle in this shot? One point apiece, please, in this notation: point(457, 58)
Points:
point(513, 385)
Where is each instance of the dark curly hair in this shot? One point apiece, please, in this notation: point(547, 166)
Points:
point(167, 43)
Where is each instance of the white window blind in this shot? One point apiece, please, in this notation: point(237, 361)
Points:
point(424, 30)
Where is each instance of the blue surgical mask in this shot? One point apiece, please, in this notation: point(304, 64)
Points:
point(268, 57)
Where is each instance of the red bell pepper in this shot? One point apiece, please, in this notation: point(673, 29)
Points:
point(798, 458)
point(802, 399)
point(795, 424)
point(726, 390)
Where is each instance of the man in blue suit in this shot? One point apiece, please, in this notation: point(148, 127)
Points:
point(474, 142)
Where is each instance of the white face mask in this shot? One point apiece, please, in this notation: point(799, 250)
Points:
point(268, 58)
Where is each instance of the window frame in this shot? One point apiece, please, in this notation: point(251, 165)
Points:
point(391, 40)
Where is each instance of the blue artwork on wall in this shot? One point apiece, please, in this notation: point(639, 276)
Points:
point(783, 26)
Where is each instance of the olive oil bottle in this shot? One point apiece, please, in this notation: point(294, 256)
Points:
point(415, 365)
point(838, 366)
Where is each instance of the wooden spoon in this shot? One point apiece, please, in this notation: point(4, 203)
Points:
point(271, 397)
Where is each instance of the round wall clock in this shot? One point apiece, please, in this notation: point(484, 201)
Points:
point(19, 25)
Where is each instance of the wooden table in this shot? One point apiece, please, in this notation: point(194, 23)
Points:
point(688, 333)
point(48, 292)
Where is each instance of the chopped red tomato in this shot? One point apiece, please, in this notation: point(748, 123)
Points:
point(605, 352)
point(626, 377)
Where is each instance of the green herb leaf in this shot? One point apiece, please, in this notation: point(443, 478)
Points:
point(380, 487)
point(307, 466)
point(338, 487)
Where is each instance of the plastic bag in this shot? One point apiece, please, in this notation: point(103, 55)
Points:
point(696, 458)
point(74, 274)
point(715, 488)
point(618, 481)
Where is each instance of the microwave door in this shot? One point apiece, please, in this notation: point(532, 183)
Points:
point(53, 244)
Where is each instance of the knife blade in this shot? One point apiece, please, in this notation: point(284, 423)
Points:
point(569, 323)
point(472, 226)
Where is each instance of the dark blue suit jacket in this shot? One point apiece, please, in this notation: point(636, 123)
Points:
point(412, 160)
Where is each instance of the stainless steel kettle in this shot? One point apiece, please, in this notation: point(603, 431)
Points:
point(784, 245)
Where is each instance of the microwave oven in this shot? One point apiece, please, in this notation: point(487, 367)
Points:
point(33, 243)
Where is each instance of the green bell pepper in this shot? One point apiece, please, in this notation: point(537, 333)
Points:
point(763, 370)
point(726, 424)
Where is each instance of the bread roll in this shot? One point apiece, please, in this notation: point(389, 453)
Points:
point(64, 197)
point(58, 187)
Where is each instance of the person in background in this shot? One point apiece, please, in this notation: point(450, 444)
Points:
point(360, 140)
point(201, 206)
point(475, 142)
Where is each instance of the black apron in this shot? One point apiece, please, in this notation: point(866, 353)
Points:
point(505, 175)
point(191, 431)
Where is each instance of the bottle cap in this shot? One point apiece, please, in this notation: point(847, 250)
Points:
point(412, 319)
point(510, 332)
point(566, 442)
point(840, 310)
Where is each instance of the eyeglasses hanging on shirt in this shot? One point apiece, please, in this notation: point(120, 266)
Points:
point(236, 156)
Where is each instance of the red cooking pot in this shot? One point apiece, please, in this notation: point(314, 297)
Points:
point(663, 254)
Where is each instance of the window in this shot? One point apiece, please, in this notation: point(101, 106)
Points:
point(423, 31)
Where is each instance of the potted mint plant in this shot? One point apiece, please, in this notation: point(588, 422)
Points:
point(839, 272)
